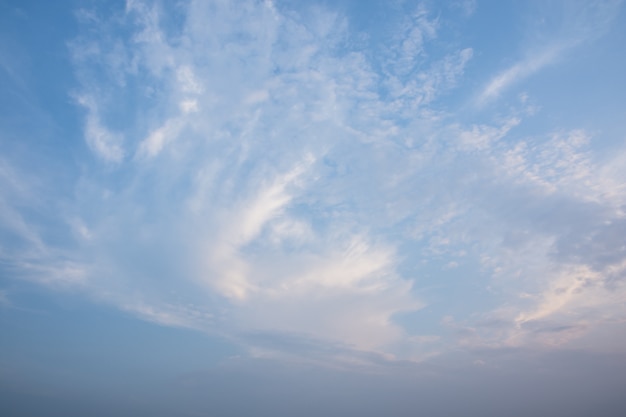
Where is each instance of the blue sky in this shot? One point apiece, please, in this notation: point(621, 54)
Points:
point(280, 200)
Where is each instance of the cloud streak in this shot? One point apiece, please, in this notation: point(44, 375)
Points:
point(580, 23)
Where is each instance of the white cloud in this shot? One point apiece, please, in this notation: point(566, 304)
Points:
point(188, 81)
point(517, 72)
point(100, 139)
point(484, 137)
point(239, 227)
point(158, 138)
point(578, 23)
point(189, 106)
point(287, 182)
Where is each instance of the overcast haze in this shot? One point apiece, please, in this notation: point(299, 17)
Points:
point(279, 208)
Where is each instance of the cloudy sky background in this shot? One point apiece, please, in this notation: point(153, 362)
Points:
point(240, 207)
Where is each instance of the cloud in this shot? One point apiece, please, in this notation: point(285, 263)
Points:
point(518, 72)
point(100, 139)
point(580, 22)
point(551, 204)
point(229, 185)
point(268, 179)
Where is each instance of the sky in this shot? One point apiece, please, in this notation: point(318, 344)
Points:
point(278, 208)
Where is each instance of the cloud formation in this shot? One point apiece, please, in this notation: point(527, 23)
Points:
point(557, 32)
point(265, 173)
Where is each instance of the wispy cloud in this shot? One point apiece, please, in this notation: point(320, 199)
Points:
point(100, 139)
point(261, 176)
point(580, 22)
point(518, 72)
